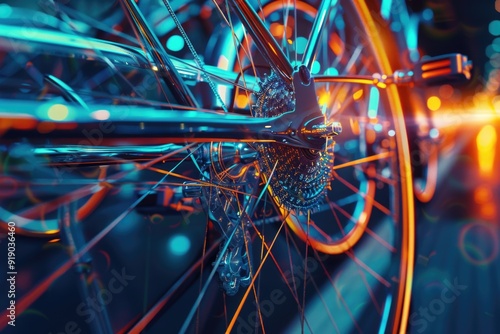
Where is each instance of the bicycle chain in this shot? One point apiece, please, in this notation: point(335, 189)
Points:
point(197, 58)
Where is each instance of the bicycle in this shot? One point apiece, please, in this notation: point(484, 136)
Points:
point(245, 160)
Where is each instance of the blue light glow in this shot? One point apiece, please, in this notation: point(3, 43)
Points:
point(396, 26)
point(332, 71)
point(494, 27)
point(385, 9)
point(316, 67)
point(300, 44)
point(5, 10)
point(412, 38)
point(496, 45)
point(385, 316)
point(179, 245)
point(350, 145)
point(373, 102)
point(427, 14)
point(339, 22)
point(175, 43)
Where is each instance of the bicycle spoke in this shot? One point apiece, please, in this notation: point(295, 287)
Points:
point(209, 280)
point(293, 289)
point(316, 287)
point(368, 269)
point(376, 204)
point(284, 39)
point(257, 272)
point(371, 158)
point(295, 28)
point(192, 71)
point(81, 16)
point(162, 302)
point(360, 265)
point(339, 294)
point(37, 291)
point(246, 50)
point(350, 252)
point(88, 190)
point(109, 63)
point(198, 182)
point(152, 46)
point(370, 291)
point(238, 58)
point(380, 240)
point(305, 270)
point(266, 44)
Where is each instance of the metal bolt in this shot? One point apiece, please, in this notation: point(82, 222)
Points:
point(337, 127)
point(305, 75)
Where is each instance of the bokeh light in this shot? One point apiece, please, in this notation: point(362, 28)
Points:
point(486, 141)
point(58, 112)
point(179, 245)
point(5, 10)
point(433, 103)
point(101, 115)
point(494, 28)
point(373, 102)
point(175, 43)
point(446, 91)
point(479, 243)
point(241, 101)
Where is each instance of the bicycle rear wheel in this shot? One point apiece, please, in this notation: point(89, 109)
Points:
point(371, 179)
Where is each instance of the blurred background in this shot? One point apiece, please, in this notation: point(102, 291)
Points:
point(458, 231)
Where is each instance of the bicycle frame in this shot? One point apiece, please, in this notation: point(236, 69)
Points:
point(304, 127)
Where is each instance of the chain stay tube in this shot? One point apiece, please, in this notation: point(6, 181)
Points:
point(128, 125)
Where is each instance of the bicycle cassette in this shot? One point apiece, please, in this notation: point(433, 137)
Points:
point(298, 177)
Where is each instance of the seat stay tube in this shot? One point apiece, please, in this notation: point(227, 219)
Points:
point(268, 45)
point(316, 31)
point(264, 40)
point(152, 45)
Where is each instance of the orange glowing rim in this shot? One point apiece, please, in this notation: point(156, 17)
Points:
point(348, 240)
point(407, 210)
